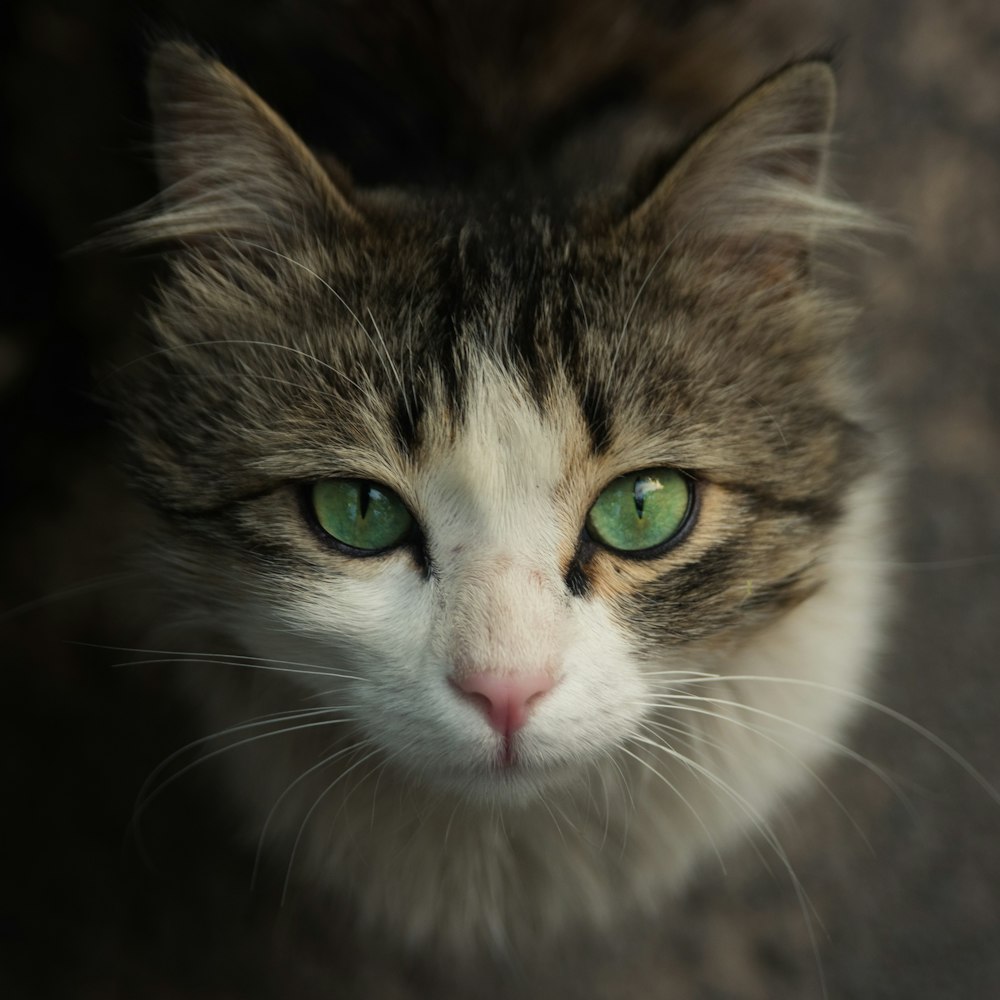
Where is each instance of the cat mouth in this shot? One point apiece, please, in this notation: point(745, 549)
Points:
point(514, 762)
point(509, 767)
point(506, 756)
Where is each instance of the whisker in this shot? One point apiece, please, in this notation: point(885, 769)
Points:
point(310, 812)
point(223, 663)
point(680, 704)
point(147, 796)
point(385, 358)
point(694, 812)
point(693, 740)
point(759, 732)
point(764, 830)
point(603, 779)
point(552, 815)
point(323, 762)
point(904, 720)
point(681, 675)
point(229, 375)
point(67, 593)
point(308, 270)
point(638, 295)
point(958, 562)
point(227, 659)
point(232, 342)
point(388, 357)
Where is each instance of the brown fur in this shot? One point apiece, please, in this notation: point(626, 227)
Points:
point(311, 329)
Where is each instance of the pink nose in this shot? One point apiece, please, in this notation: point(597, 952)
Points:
point(504, 700)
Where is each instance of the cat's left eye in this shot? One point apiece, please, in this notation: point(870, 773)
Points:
point(639, 513)
point(360, 514)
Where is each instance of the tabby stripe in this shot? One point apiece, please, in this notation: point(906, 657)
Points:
point(820, 510)
point(597, 415)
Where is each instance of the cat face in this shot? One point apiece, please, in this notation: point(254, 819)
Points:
point(498, 455)
point(493, 486)
point(481, 594)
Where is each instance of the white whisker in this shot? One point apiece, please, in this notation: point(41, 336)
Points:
point(67, 593)
point(312, 809)
point(904, 720)
point(681, 703)
point(765, 735)
point(147, 795)
point(763, 828)
point(227, 659)
point(680, 795)
point(324, 761)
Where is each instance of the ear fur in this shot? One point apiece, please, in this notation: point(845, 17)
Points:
point(760, 170)
point(229, 164)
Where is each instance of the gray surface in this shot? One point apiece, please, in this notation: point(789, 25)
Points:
point(907, 907)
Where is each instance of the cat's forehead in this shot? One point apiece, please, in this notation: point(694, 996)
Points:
point(517, 336)
point(501, 412)
point(505, 461)
point(504, 418)
point(550, 301)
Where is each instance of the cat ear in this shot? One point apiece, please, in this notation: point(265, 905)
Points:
point(228, 163)
point(757, 176)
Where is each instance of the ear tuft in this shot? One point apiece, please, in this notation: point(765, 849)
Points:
point(228, 163)
point(760, 170)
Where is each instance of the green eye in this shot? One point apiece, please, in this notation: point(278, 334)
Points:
point(641, 511)
point(360, 514)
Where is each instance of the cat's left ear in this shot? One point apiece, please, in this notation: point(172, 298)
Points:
point(229, 164)
point(757, 176)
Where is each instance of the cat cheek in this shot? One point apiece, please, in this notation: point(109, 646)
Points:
point(454, 686)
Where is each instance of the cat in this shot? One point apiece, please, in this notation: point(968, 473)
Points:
point(521, 530)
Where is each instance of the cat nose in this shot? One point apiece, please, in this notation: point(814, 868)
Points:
point(504, 701)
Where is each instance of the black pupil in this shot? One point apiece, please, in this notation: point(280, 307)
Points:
point(639, 497)
point(365, 494)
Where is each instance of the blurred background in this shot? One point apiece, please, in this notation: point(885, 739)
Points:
point(903, 891)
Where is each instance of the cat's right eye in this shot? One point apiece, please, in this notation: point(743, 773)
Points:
point(641, 513)
point(363, 516)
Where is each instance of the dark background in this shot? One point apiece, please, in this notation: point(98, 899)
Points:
point(913, 912)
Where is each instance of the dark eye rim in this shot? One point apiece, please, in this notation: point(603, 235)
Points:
point(684, 529)
point(413, 539)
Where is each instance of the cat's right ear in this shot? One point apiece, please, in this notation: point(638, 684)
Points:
point(754, 182)
point(229, 165)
